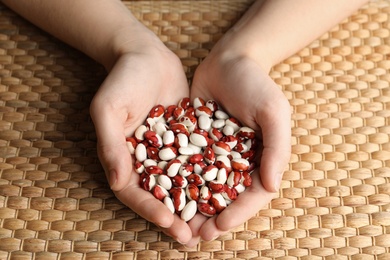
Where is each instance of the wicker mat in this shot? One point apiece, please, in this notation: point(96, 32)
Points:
point(335, 196)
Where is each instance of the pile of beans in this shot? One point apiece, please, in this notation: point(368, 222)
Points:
point(193, 157)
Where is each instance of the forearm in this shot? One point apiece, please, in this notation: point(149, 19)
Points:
point(275, 29)
point(102, 29)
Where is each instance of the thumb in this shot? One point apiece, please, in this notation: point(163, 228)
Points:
point(275, 122)
point(113, 152)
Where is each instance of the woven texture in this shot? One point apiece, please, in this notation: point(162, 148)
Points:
point(335, 197)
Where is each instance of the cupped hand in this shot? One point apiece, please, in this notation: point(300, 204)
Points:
point(243, 88)
point(139, 80)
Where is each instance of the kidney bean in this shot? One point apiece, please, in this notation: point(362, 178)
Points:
point(168, 138)
point(193, 157)
point(140, 152)
point(218, 202)
point(240, 164)
point(159, 192)
point(189, 211)
point(169, 203)
point(192, 192)
point(206, 209)
point(172, 167)
point(131, 144)
point(167, 153)
point(198, 102)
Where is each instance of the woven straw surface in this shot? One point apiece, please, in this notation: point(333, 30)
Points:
point(335, 196)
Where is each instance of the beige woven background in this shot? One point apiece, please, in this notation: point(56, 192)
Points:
point(335, 196)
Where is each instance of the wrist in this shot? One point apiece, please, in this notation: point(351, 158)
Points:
point(236, 46)
point(132, 40)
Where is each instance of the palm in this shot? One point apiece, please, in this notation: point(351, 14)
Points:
point(136, 84)
point(249, 94)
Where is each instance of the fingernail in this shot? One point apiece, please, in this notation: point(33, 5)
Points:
point(214, 237)
point(113, 178)
point(278, 181)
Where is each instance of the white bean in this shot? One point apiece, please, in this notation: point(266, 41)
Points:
point(164, 181)
point(198, 140)
point(182, 140)
point(166, 154)
point(139, 132)
point(168, 137)
point(159, 128)
point(195, 148)
point(221, 114)
point(140, 152)
point(169, 203)
point(204, 122)
point(186, 151)
point(228, 130)
point(150, 162)
point(219, 123)
point(189, 211)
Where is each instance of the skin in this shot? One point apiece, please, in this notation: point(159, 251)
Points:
point(238, 67)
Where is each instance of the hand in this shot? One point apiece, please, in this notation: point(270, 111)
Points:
point(147, 75)
point(243, 88)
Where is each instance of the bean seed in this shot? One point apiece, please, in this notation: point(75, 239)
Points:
point(179, 181)
point(139, 167)
point(193, 157)
point(210, 172)
point(198, 140)
point(164, 181)
point(168, 202)
point(203, 110)
point(139, 132)
point(240, 164)
point(219, 123)
point(234, 178)
point(140, 152)
point(206, 209)
point(156, 112)
point(159, 128)
point(222, 161)
point(221, 148)
point(195, 148)
point(228, 130)
point(148, 182)
point(162, 164)
point(168, 138)
point(159, 192)
point(205, 193)
point(189, 211)
point(178, 198)
point(204, 122)
point(192, 192)
point(221, 114)
point(150, 162)
point(212, 104)
point(233, 123)
point(172, 167)
point(198, 102)
point(167, 153)
point(131, 144)
point(222, 175)
point(218, 202)
point(186, 151)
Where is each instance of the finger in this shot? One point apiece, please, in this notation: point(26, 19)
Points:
point(274, 120)
point(179, 230)
point(112, 149)
point(144, 203)
point(195, 225)
point(243, 208)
